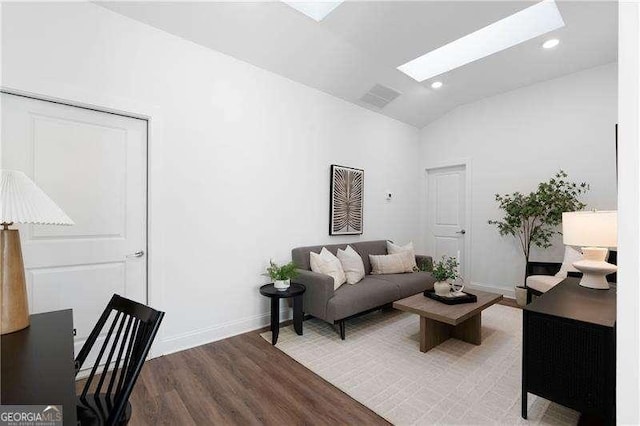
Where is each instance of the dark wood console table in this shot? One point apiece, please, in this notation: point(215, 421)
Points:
point(569, 349)
point(37, 364)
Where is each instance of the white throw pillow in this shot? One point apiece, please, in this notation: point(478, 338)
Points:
point(390, 263)
point(408, 248)
point(351, 264)
point(326, 263)
point(571, 254)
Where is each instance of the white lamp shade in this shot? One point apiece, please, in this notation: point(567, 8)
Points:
point(21, 201)
point(590, 229)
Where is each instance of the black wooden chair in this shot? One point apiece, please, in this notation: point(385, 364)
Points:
point(127, 342)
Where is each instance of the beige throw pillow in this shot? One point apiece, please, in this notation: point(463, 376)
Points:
point(390, 264)
point(351, 264)
point(408, 248)
point(326, 263)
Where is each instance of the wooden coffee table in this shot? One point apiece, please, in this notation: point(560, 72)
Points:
point(439, 322)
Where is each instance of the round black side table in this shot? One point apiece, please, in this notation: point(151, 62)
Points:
point(295, 291)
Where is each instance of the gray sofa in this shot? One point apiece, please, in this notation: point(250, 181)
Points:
point(374, 291)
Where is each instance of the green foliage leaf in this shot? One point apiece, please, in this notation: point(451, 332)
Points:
point(425, 265)
point(446, 269)
point(284, 272)
point(533, 218)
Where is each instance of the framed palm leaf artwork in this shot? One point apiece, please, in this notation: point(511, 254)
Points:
point(347, 193)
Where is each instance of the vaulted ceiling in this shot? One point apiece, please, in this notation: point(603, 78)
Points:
point(360, 44)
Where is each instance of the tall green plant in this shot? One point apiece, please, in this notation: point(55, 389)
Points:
point(534, 218)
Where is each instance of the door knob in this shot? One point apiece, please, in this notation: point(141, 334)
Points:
point(461, 232)
point(139, 253)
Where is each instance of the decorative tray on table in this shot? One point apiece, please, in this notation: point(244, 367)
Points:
point(453, 298)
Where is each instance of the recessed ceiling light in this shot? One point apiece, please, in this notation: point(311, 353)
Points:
point(436, 84)
point(550, 44)
point(316, 10)
point(522, 26)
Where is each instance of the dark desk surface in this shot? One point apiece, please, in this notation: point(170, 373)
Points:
point(38, 366)
point(572, 301)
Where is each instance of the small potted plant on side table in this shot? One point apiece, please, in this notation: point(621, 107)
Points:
point(443, 271)
point(281, 275)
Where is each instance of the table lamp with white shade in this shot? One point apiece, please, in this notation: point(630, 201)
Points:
point(21, 201)
point(596, 232)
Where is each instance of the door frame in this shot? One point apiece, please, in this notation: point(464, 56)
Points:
point(152, 114)
point(466, 163)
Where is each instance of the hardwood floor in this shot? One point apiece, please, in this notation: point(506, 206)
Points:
point(509, 302)
point(241, 380)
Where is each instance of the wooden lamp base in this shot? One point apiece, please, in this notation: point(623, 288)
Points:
point(14, 307)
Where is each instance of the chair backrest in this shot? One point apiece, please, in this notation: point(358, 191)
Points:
point(543, 268)
point(130, 334)
point(551, 268)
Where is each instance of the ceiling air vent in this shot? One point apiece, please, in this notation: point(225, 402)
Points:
point(379, 96)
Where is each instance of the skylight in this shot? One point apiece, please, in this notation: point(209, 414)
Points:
point(316, 10)
point(515, 29)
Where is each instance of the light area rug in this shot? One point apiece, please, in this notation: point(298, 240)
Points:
point(380, 365)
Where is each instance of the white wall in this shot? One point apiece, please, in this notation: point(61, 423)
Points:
point(517, 139)
point(628, 323)
point(239, 157)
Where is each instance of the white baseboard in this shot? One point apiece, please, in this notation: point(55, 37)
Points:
point(506, 292)
point(217, 332)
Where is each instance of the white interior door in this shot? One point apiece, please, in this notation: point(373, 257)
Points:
point(93, 165)
point(446, 221)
